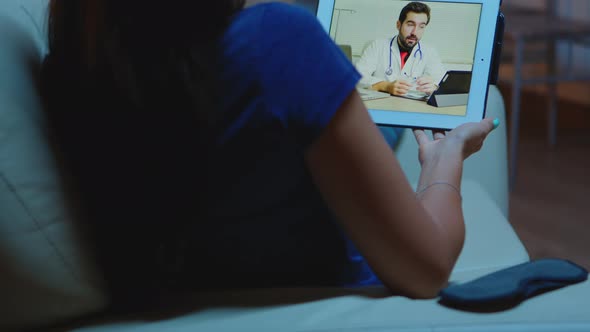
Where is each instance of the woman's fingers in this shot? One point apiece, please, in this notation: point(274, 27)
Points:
point(421, 136)
point(469, 132)
point(438, 134)
point(474, 134)
point(490, 124)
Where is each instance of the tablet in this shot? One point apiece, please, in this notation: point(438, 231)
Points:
point(453, 89)
point(418, 53)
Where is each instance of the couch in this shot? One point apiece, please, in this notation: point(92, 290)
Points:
point(48, 282)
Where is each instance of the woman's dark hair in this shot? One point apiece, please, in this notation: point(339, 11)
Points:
point(131, 93)
point(415, 7)
point(124, 35)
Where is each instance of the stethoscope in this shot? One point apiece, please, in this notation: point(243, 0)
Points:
point(390, 69)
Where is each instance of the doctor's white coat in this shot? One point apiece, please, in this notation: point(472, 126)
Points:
point(374, 63)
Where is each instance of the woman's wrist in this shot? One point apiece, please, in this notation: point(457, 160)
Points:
point(443, 164)
point(449, 149)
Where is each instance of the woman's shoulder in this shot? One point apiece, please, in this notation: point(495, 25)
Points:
point(277, 11)
point(275, 18)
point(265, 33)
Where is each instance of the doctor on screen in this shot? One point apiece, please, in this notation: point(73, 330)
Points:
point(403, 65)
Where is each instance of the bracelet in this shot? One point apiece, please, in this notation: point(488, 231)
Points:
point(418, 192)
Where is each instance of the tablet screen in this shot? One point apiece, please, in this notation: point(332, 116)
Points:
point(405, 49)
point(420, 61)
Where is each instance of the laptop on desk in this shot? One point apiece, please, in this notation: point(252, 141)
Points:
point(453, 89)
point(368, 94)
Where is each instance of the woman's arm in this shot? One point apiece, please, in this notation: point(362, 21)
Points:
point(411, 242)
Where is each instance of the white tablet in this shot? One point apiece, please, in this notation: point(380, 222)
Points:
point(429, 60)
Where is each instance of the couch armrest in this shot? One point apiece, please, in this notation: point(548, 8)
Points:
point(45, 276)
point(488, 167)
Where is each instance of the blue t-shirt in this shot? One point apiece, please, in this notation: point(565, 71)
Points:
point(284, 79)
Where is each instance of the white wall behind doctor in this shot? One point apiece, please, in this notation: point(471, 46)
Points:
point(452, 29)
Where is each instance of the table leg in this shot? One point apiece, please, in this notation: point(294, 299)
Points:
point(515, 109)
point(552, 88)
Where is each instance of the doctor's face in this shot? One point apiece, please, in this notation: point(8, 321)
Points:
point(412, 29)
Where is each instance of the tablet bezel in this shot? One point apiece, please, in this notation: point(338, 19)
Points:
point(477, 99)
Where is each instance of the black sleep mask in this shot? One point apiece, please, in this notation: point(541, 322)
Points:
point(508, 287)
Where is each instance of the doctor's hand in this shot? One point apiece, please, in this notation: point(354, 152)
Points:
point(396, 88)
point(426, 84)
point(399, 87)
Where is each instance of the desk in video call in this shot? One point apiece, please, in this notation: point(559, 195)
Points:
point(415, 106)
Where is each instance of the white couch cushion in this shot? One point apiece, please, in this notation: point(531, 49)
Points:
point(563, 310)
point(490, 241)
point(45, 277)
point(490, 245)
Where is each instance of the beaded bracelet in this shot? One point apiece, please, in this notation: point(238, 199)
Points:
point(438, 183)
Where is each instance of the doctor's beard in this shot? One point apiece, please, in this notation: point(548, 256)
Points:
point(403, 43)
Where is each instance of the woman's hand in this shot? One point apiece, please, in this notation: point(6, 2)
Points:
point(466, 139)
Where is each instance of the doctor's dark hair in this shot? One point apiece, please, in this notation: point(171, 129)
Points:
point(131, 99)
point(415, 7)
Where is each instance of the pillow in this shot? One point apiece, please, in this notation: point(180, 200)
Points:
point(46, 277)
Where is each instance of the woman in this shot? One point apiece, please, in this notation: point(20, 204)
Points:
point(228, 147)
